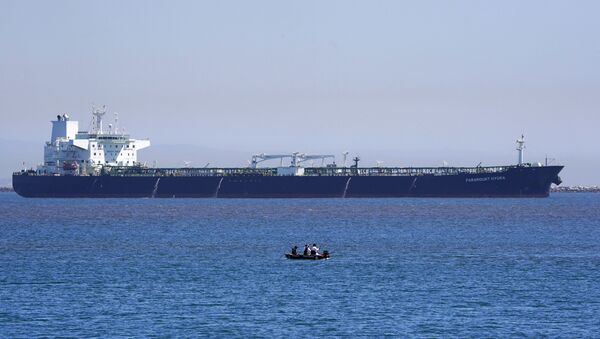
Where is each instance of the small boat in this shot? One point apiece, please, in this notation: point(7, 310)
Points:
point(325, 255)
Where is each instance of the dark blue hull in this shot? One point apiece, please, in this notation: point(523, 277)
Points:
point(515, 182)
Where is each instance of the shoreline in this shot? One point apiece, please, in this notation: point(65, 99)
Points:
point(575, 189)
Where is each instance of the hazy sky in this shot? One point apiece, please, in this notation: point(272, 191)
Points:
point(414, 82)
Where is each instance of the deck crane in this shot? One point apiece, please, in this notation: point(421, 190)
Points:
point(296, 158)
point(344, 156)
point(258, 158)
point(305, 157)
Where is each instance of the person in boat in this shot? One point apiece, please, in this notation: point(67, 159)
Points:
point(305, 249)
point(314, 250)
point(295, 250)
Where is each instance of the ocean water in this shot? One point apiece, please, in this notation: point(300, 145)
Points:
point(215, 267)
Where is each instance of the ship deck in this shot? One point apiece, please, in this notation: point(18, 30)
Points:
point(308, 171)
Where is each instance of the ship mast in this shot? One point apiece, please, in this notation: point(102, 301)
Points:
point(521, 148)
point(98, 113)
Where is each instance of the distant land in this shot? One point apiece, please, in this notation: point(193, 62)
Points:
point(576, 189)
point(19, 154)
point(6, 189)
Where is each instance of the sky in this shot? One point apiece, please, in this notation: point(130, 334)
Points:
point(403, 82)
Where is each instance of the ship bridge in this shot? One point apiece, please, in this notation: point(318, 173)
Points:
point(71, 151)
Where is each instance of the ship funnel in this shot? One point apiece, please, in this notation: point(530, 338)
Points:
point(64, 128)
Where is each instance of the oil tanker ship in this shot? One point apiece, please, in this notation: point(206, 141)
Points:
point(103, 163)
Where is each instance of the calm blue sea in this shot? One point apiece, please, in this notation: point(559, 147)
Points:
point(412, 267)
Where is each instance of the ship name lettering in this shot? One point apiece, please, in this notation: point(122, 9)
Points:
point(495, 178)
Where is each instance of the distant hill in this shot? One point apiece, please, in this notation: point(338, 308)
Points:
point(12, 155)
point(196, 156)
point(578, 170)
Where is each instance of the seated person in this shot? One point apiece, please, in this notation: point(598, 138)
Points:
point(314, 249)
point(294, 250)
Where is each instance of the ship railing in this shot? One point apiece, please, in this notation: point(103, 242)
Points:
point(308, 171)
point(188, 172)
point(403, 171)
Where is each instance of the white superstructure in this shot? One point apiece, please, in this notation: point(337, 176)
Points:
point(71, 151)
